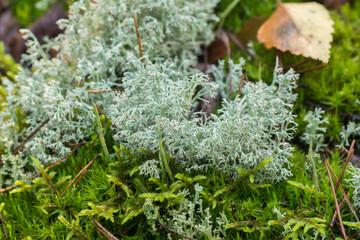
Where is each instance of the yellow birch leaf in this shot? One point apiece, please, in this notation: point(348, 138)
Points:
point(301, 28)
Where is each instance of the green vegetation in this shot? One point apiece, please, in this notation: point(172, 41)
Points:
point(151, 170)
point(126, 203)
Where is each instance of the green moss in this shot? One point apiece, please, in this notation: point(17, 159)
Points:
point(24, 215)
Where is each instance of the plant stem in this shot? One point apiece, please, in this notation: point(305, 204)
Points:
point(315, 177)
point(227, 11)
point(163, 156)
point(166, 164)
point(101, 135)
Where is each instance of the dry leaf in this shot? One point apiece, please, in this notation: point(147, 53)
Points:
point(44, 26)
point(216, 50)
point(301, 28)
point(249, 30)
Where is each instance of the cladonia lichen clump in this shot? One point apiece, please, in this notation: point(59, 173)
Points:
point(148, 97)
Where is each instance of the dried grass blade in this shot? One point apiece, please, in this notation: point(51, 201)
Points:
point(138, 38)
point(103, 230)
point(342, 229)
point(177, 233)
point(21, 145)
point(80, 173)
point(350, 153)
point(346, 199)
point(51, 166)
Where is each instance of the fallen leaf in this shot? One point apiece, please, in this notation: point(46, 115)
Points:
point(301, 28)
point(8, 24)
point(249, 30)
point(216, 50)
point(44, 26)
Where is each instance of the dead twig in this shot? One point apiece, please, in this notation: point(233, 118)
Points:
point(354, 235)
point(101, 111)
point(326, 108)
point(298, 64)
point(310, 69)
point(177, 233)
point(103, 230)
point(346, 199)
point(351, 152)
point(333, 219)
point(317, 212)
point(240, 45)
point(104, 90)
point(342, 229)
point(21, 145)
point(49, 167)
point(68, 155)
point(138, 38)
point(241, 80)
point(81, 174)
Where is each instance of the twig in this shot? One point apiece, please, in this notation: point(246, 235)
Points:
point(80, 174)
point(241, 80)
point(68, 155)
point(21, 145)
point(354, 235)
point(49, 167)
point(240, 45)
point(138, 38)
point(4, 226)
point(103, 230)
point(335, 199)
point(326, 108)
point(333, 219)
point(344, 194)
point(310, 69)
point(317, 212)
point(298, 64)
point(104, 90)
point(177, 233)
point(351, 152)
